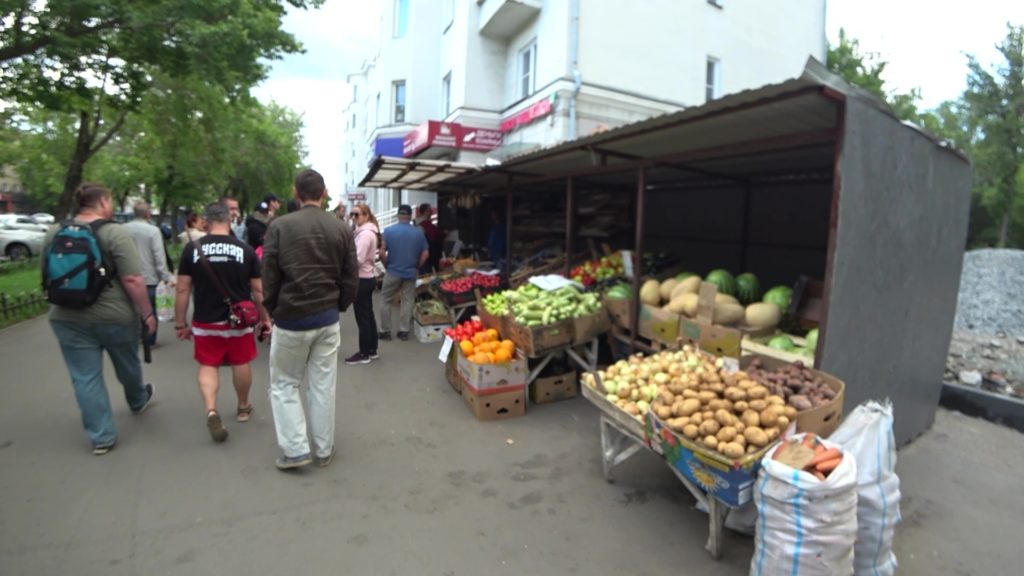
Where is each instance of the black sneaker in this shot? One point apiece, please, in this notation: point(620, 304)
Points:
point(102, 449)
point(385, 336)
point(288, 462)
point(149, 392)
point(324, 461)
point(403, 336)
point(374, 355)
point(357, 358)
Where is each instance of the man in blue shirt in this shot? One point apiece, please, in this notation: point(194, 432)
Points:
point(403, 252)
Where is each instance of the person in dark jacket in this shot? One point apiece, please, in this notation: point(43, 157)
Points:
point(435, 239)
point(310, 275)
point(256, 225)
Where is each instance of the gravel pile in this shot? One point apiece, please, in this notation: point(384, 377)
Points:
point(991, 296)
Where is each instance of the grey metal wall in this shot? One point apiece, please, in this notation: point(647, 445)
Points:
point(903, 212)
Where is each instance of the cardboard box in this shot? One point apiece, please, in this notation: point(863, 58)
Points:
point(499, 323)
point(658, 324)
point(729, 481)
point(451, 369)
point(587, 328)
point(496, 403)
point(717, 340)
point(538, 340)
point(485, 376)
point(822, 420)
point(553, 388)
point(428, 319)
point(429, 334)
point(619, 311)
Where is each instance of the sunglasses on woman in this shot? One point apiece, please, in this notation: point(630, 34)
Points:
point(357, 215)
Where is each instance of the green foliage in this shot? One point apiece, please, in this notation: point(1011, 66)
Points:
point(97, 59)
point(865, 69)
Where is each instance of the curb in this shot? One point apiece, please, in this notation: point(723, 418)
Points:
point(981, 403)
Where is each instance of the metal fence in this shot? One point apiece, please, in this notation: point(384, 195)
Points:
point(22, 305)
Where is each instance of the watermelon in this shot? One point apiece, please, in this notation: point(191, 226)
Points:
point(748, 289)
point(620, 292)
point(781, 296)
point(724, 280)
point(684, 275)
point(782, 342)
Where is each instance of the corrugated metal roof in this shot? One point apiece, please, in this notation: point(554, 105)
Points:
point(413, 174)
point(756, 134)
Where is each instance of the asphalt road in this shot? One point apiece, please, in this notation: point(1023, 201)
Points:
point(419, 487)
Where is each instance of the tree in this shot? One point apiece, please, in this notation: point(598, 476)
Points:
point(865, 69)
point(97, 58)
point(995, 100)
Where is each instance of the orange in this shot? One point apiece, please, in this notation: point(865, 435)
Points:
point(467, 348)
point(501, 356)
point(508, 345)
point(492, 334)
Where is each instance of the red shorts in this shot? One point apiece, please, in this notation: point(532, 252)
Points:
point(219, 345)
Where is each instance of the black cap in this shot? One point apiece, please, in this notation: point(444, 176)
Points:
point(405, 210)
point(271, 198)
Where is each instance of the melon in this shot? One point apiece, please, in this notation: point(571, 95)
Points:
point(726, 299)
point(748, 288)
point(763, 315)
point(665, 290)
point(649, 293)
point(728, 314)
point(723, 280)
point(685, 303)
point(691, 285)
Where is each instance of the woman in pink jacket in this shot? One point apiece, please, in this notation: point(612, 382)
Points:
point(367, 237)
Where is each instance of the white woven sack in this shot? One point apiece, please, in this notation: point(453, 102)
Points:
point(867, 435)
point(805, 526)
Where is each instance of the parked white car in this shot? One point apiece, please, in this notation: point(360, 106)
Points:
point(16, 243)
point(44, 218)
point(22, 222)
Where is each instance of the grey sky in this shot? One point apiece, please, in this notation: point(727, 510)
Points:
point(924, 45)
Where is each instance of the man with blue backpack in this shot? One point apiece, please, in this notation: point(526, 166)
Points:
point(92, 275)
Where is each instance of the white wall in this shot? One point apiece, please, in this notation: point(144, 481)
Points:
point(758, 43)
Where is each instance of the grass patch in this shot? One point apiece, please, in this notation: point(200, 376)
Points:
point(18, 281)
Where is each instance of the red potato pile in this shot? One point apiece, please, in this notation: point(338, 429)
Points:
point(800, 387)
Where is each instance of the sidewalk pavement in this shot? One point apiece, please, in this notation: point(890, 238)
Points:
point(418, 486)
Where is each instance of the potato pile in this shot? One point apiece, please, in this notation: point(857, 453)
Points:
point(699, 399)
point(800, 387)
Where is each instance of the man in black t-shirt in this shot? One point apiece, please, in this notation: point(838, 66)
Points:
point(217, 343)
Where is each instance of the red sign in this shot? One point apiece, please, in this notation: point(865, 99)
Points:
point(356, 197)
point(539, 109)
point(449, 135)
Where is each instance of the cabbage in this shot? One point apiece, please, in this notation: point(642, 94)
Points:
point(782, 342)
point(812, 340)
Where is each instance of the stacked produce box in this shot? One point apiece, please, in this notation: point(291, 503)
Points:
point(490, 373)
point(430, 320)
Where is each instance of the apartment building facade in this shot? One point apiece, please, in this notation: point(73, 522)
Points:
point(483, 80)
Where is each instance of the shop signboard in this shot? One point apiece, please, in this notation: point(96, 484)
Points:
point(538, 109)
point(449, 135)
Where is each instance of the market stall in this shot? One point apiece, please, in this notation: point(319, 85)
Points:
point(807, 178)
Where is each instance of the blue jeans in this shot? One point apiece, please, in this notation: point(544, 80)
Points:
point(82, 346)
point(151, 290)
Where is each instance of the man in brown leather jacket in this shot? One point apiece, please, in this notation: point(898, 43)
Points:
point(310, 275)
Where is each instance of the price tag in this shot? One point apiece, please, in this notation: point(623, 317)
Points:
point(731, 364)
point(627, 263)
point(446, 349)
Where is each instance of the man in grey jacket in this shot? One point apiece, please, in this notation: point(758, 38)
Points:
point(150, 244)
point(310, 275)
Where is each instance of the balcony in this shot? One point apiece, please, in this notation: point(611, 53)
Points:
point(502, 19)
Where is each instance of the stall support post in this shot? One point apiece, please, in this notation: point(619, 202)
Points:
point(508, 232)
point(638, 248)
point(570, 224)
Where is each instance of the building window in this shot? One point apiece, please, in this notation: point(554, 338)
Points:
point(447, 14)
point(527, 69)
point(353, 121)
point(355, 93)
point(399, 94)
point(446, 94)
point(713, 76)
point(401, 18)
point(376, 112)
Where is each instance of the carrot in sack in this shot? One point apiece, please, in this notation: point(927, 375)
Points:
point(819, 475)
point(826, 454)
point(828, 465)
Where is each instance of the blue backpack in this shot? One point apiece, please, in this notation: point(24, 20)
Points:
point(74, 269)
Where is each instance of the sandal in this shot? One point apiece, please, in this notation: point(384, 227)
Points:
point(244, 414)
